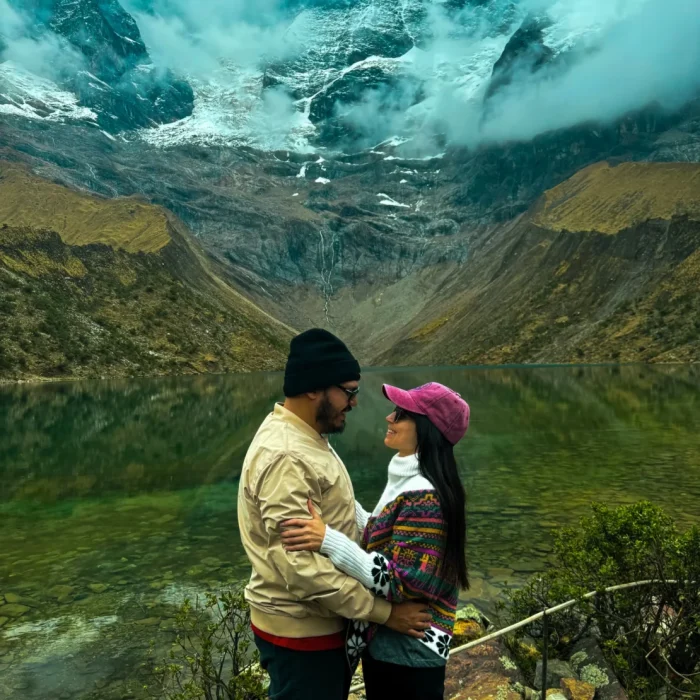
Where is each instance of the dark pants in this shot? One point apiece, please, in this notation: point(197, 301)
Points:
point(305, 675)
point(384, 680)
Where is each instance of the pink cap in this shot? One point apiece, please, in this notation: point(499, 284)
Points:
point(444, 408)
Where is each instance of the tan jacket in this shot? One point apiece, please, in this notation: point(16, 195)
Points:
point(298, 594)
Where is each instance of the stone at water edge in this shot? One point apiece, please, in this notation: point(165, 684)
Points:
point(470, 624)
point(466, 631)
point(577, 690)
point(3, 620)
point(12, 598)
point(470, 612)
point(61, 593)
point(556, 670)
point(98, 587)
point(485, 671)
point(14, 610)
point(148, 621)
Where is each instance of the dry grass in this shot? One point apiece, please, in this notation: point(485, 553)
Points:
point(610, 199)
point(27, 201)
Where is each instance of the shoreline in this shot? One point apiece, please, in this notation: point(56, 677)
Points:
point(378, 368)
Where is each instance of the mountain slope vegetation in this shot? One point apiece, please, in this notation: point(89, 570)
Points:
point(92, 287)
point(603, 268)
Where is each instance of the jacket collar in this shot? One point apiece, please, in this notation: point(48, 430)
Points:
point(288, 417)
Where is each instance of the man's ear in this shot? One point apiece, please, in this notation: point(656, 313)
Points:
point(313, 395)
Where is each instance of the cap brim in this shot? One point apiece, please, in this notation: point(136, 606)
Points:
point(401, 398)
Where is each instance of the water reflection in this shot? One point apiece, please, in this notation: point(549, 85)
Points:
point(117, 498)
point(96, 438)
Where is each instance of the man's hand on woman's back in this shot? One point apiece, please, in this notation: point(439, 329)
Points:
point(410, 618)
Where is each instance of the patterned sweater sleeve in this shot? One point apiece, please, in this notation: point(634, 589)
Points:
point(404, 556)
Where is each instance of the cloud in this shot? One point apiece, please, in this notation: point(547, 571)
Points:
point(617, 56)
point(650, 57)
point(45, 54)
point(194, 38)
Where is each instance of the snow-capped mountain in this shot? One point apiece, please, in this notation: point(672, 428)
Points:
point(88, 54)
point(341, 74)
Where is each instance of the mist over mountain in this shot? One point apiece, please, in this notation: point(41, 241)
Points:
point(348, 74)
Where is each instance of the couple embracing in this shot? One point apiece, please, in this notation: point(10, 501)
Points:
point(331, 582)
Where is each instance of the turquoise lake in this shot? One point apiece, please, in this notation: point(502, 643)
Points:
point(118, 498)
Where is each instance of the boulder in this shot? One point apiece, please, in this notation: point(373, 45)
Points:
point(468, 612)
point(470, 624)
point(466, 631)
point(556, 670)
point(61, 593)
point(577, 690)
point(592, 667)
point(485, 672)
point(14, 610)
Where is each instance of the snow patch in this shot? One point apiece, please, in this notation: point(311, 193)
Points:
point(27, 95)
point(389, 202)
point(322, 180)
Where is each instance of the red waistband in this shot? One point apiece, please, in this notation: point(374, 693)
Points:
point(325, 643)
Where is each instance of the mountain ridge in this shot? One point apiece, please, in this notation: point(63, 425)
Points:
point(537, 294)
point(302, 213)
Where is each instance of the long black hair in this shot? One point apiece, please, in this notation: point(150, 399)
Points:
point(438, 465)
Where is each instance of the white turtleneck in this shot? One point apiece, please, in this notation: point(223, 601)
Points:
point(404, 475)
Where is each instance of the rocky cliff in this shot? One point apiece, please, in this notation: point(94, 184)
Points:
point(92, 287)
point(94, 50)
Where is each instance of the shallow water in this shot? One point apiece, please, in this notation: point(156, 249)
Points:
point(117, 498)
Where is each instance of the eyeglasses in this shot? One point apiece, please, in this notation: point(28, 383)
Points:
point(350, 393)
point(400, 414)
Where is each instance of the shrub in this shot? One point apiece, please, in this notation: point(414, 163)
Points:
point(214, 657)
point(651, 633)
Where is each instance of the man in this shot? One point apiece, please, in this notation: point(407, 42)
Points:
point(299, 601)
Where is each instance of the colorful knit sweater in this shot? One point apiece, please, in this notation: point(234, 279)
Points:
point(404, 543)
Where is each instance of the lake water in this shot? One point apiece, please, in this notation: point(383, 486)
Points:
point(118, 498)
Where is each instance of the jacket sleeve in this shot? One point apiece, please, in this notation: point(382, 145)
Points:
point(282, 490)
point(405, 566)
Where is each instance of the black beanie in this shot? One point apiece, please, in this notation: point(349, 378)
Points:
point(318, 360)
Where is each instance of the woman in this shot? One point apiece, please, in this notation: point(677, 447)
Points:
point(413, 543)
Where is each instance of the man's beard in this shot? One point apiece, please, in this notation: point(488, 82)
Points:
point(326, 417)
